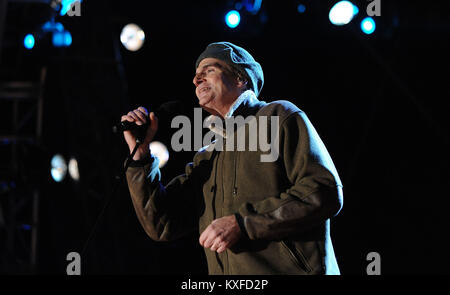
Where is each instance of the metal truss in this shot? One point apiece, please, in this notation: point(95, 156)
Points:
point(19, 197)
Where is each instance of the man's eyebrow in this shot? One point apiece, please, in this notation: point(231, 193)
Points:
point(216, 64)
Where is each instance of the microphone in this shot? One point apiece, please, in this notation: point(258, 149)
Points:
point(126, 125)
point(164, 112)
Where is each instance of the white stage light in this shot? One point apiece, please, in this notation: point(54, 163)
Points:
point(160, 151)
point(73, 169)
point(132, 37)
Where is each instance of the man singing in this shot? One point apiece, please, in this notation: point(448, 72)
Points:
point(253, 216)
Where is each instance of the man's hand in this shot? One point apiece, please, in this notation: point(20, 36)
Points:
point(221, 234)
point(140, 116)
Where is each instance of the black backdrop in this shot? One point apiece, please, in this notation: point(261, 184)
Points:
point(379, 102)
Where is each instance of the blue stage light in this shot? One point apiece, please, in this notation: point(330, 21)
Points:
point(58, 168)
point(252, 6)
point(62, 39)
point(342, 13)
point(368, 25)
point(233, 18)
point(301, 8)
point(26, 226)
point(28, 41)
point(52, 26)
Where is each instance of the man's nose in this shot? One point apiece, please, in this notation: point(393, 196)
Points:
point(198, 79)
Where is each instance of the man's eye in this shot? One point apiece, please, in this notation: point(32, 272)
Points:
point(210, 70)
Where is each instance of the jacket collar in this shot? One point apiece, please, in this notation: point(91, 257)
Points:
point(245, 105)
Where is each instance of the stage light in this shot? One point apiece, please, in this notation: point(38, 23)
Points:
point(26, 226)
point(73, 169)
point(28, 41)
point(62, 39)
point(342, 13)
point(58, 168)
point(252, 6)
point(301, 8)
point(52, 26)
point(160, 151)
point(132, 37)
point(233, 18)
point(368, 25)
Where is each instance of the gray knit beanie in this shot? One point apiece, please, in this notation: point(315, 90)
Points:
point(238, 58)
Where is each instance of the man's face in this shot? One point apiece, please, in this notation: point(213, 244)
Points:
point(215, 87)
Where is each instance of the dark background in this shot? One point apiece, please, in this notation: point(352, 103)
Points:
point(379, 102)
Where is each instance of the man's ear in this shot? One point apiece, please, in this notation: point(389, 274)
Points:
point(241, 82)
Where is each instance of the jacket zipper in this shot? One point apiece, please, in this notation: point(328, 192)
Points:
point(214, 187)
point(297, 256)
point(235, 174)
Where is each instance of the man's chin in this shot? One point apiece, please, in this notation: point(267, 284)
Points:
point(204, 102)
point(209, 109)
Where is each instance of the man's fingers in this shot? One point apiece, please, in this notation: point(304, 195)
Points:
point(126, 118)
point(209, 241)
point(133, 115)
point(141, 115)
point(138, 117)
point(218, 244)
point(211, 238)
point(207, 237)
point(203, 237)
point(143, 110)
point(222, 248)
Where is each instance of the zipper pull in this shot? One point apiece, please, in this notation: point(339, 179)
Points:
point(213, 188)
point(234, 190)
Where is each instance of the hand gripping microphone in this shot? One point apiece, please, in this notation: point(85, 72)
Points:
point(165, 112)
point(126, 125)
point(140, 130)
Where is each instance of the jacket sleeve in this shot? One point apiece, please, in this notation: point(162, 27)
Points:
point(165, 213)
point(314, 196)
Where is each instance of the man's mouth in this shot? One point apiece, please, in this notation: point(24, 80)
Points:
point(204, 89)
